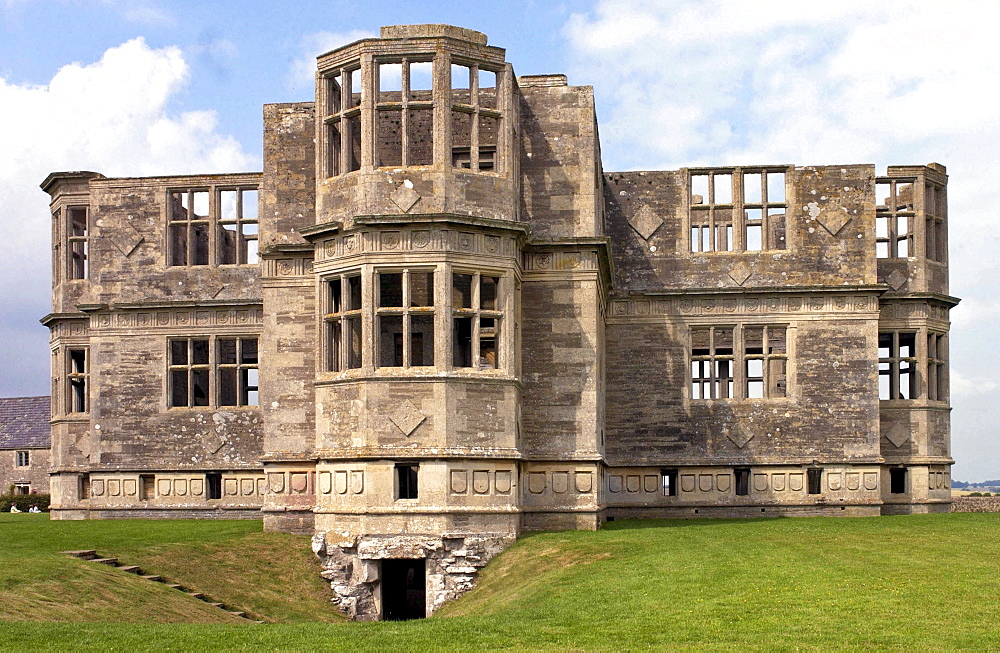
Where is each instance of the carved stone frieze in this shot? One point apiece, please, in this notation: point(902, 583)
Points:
point(751, 306)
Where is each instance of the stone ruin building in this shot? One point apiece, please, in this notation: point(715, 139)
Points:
point(434, 322)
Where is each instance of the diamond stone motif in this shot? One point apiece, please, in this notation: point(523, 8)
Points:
point(896, 280)
point(740, 273)
point(407, 417)
point(738, 436)
point(404, 197)
point(213, 442)
point(126, 239)
point(833, 221)
point(898, 434)
point(645, 222)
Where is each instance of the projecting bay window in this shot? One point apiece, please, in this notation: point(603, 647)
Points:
point(77, 381)
point(897, 365)
point(223, 375)
point(477, 315)
point(405, 316)
point(742, 362)
point(343, 323)
point(738, 210)
point(894, 217)
point(79, 242)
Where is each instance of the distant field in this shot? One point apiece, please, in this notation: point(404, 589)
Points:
point(916, 582)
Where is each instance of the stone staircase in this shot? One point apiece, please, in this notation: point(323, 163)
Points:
point(92, 556)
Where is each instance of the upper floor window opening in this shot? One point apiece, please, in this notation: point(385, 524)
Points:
point(738, 210)
point(404, 114)
point(895, 213)
point(77, 381)
point(23, 459)
point(475, 117)
point(212, 226)
point(341, 91)
point(935, 215)
point(79, 242)
point(202, 375)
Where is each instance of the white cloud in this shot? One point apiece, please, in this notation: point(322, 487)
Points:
point(109, 116)
point(302, 72)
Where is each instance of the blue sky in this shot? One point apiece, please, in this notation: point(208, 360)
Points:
point(170, 87)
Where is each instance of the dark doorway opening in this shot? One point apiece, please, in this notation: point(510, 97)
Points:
point(403, 590)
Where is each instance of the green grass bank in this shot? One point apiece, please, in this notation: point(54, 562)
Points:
point(893, 583)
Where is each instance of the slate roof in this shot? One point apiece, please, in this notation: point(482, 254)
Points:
point(24, 423)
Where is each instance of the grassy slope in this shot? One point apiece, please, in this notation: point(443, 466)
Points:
point(269, 574)
point(891, 582)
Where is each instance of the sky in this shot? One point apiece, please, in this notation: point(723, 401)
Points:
point(151, 87)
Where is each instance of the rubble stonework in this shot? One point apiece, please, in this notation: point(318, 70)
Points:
point(433, 322)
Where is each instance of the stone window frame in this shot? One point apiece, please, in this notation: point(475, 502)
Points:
point(407, 311)
point(477, 111)
point(896, 364)
point(937, 366)
point(668, 482)
point(342, 122)
point(896, 220)
point(22, 459)
point(935, 205)
point(77, 374)
point(814, 480)
point(764, 213)
point(77, 242)
point(478, 334)
point(899, 480)
point(406, 104)
point(211, 369)
point(22, 489)
point(724, 373)
point(343, 322)
point(406, 481)
point(202, 240)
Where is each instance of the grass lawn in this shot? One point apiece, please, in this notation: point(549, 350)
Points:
point(929, 581)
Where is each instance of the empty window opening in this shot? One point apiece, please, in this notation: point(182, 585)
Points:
point(404, 589)
point(475, 119)
point(237, 227)
point(22, 459)
point(477, 312)
point(406, 480)
point(238, 371)
point(897, 365)
point(77, 381)
point(147, 487)
point(22, 488)
point(765, 361)
point(405, 318)
point(668, 479)
point(894, 217)
point(78, 242)
point(343, 323)
point(712, 363)
point(742, 481)
point(213, 483)
point(935, 209)
point(937, 360)
point(897, 480)
point(733, 210)
point(83, 487)
point(189, 372)
point(814, 481)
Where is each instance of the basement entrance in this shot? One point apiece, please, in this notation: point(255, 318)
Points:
point(404, 590)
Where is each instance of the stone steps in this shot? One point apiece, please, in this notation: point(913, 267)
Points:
point(91, 555)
